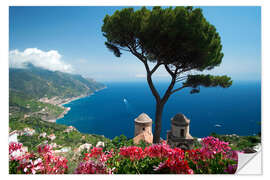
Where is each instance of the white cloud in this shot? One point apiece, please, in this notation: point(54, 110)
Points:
point(50, 60)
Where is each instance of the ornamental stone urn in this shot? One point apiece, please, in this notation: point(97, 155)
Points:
point(143, 129)
point(179, 135)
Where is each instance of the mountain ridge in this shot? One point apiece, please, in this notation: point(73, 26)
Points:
point(39, 83)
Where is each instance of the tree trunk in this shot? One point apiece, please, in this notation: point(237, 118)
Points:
point(157, 132)
point(159, 102)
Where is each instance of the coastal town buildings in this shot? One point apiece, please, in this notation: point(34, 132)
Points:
point(26, 116)
point(42, 135)
point(28, 131)
point(70, 128)
point(51, 137)
point(100, 144)
point(54, 145)
point(13, 136)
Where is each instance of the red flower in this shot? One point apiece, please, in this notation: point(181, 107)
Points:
point(133, 152)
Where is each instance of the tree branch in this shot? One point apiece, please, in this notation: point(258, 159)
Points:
point(138, 55)
point(168, 70)
point(150, 82)
point(178, 89)
point(155, 68)
point(123, 49)
point(185, 70)
point(168, 91)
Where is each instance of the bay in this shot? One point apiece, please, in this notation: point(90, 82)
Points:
point(111, 111)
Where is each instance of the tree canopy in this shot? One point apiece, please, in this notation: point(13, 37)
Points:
point(180, 39)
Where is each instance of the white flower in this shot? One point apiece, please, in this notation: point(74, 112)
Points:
point(37, 161)
point(17, 153)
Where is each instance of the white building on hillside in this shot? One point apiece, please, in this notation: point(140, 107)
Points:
point(51, 137)
point(13, 137)
point(70, 128)
point(29, 131)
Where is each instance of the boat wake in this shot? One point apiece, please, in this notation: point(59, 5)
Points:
point(129, 108)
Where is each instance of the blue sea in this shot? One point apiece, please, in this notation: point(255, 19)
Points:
point(111, 111)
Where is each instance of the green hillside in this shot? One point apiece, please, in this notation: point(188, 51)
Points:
point(27, 86)
point(38, 83)
point(20, 104)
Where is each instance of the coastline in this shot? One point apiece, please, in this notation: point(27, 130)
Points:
point(68, 100)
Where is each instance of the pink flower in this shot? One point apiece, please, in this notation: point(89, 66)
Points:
point(45, 149)
point(231, 169)
point(91, 167)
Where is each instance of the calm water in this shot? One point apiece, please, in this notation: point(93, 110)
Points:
point(236, 110)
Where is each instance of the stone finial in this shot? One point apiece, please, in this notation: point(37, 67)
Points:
point(143, 118)
point(180, 119)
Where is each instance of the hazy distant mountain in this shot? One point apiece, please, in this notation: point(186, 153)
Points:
point(37, 83)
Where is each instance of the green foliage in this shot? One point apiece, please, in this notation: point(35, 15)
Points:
point(126, 166)
point(118, 142)
point(74, 139)
point(13, 167)
point(215, 165)
point(180, 36)
point(143, 144)
point(207, 81)
point(121, 141)
point(196, 144)
point(73, 161)
point(31, 142)
point(114, 49)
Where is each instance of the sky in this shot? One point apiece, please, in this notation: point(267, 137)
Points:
point(69, 39)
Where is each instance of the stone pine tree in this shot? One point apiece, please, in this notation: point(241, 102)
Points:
point(180, 39)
